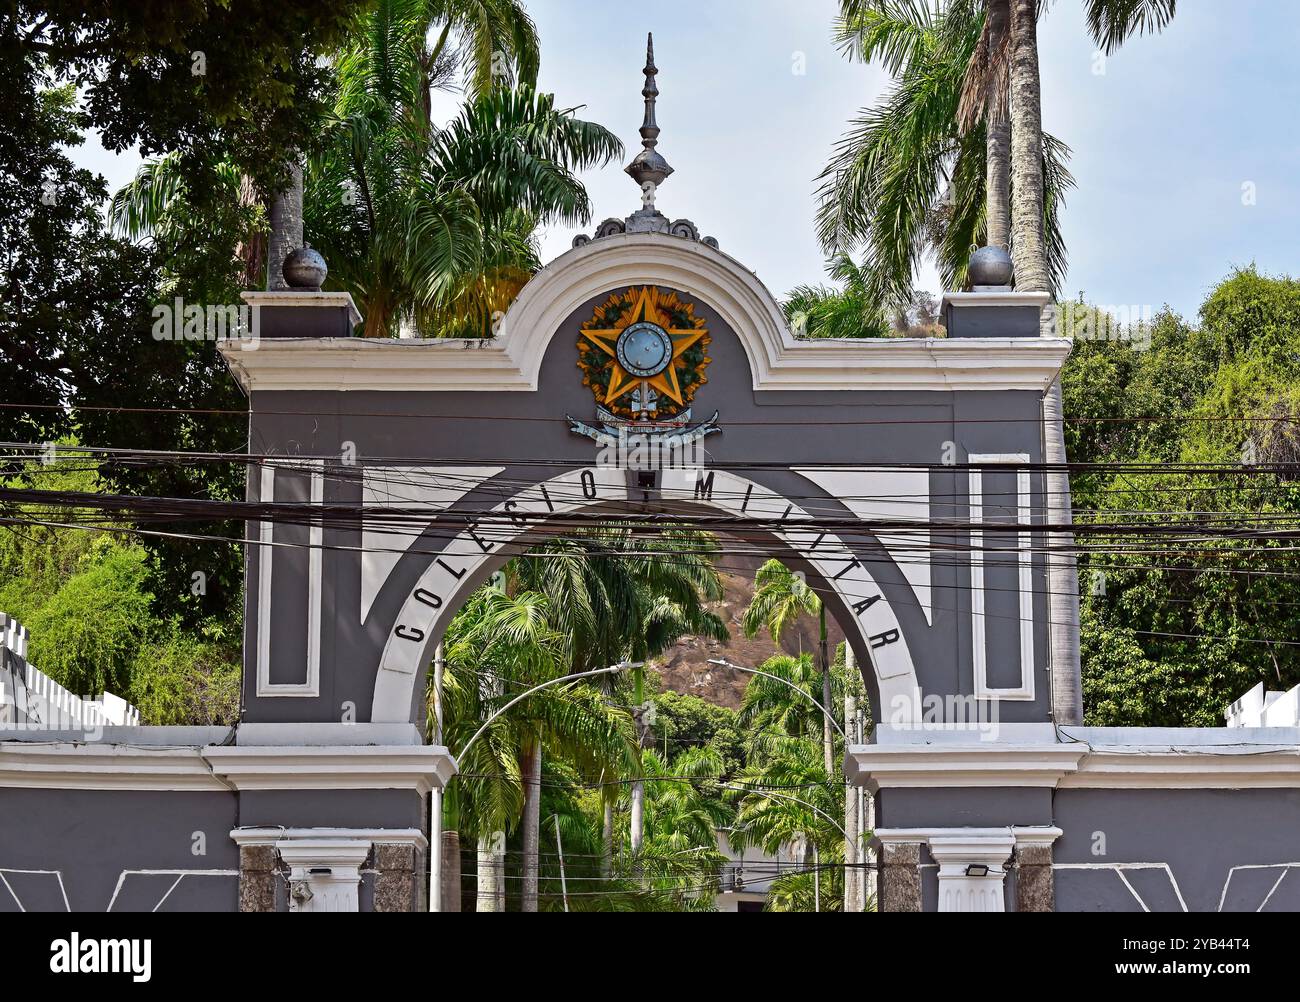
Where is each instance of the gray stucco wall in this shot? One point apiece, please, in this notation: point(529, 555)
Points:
point(92, 846)
point(1216, 848)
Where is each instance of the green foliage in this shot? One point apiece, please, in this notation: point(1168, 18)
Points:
point(181, 679)
point(688, 722)
point(433, 226)
point(850, 310)
point(237, 80)
point(1173, 633)
point(89, 633)
point(905, 180)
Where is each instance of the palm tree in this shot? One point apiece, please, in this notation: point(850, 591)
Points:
point(1111, 22)
point(625, 596)
point(816, 311)
point(496, 647)
point(432, 226)
point(678, 860)
point(910, 176)
point(781, 596)
point(156, 206)
point(792, 799)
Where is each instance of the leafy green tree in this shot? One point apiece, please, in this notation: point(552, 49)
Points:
point(1173, 634)
point(685, 722)
point(238, 80)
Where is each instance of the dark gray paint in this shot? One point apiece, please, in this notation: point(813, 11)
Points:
point(1200, 834)
point(992, 321)
point(91, 836)
point(984, 807)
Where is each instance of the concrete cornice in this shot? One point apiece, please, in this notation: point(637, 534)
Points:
point(992, 764)
point(419, 767)
point(291, 297)
point(1239, 764)
point(1008, 297)
point(73, 766)
point(778, 361)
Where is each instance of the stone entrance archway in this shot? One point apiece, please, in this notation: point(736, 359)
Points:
point(484, 545)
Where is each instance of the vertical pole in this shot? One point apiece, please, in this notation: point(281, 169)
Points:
point(817, 880)
point(638, 785)
point(559, 849)
point(435, 795)
point(852, 874)
point(866, 822)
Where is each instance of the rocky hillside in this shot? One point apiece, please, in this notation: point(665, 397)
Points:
point(685, 667)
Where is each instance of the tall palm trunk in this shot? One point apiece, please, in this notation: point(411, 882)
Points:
point(828, 742)
point(998, 139)
point(1028, 245)
point(286, 229)
point(531, 827)
point(488, 877)
point(1029, 251)
point(607, 840)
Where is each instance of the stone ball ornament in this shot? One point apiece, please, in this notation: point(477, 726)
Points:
point(305, 269)
point(990, 266)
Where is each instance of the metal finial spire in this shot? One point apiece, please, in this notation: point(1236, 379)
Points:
point(649, 165)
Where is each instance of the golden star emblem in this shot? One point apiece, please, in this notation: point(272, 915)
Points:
point(650, 306)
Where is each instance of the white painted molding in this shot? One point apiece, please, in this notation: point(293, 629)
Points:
point(1187, 769)
point(324, 874)
point(289, 297)
point(78, 766)
point(246, 767)
point(778, 361)
point(274, 836)
point(919, 766)
point(1020, 835)
point(1074, 765)
point(966, 300)
point(1025, 580)
point(957, 850)
point(309, 688)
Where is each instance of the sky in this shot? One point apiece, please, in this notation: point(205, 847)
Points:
point(1186, 150)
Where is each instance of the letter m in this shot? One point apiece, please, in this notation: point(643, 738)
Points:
point(704, 487)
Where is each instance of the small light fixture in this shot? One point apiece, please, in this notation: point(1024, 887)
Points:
point(977, 870)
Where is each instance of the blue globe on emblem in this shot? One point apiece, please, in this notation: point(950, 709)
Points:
point(644, 349)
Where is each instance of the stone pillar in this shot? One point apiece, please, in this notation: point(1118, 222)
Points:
point(396, 883)
point(257, 876)
point(1035, 879)
point(900, 877)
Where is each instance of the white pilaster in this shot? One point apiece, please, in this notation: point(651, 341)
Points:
point(972, 870)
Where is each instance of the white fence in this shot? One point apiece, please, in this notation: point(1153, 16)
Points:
point(29, 698)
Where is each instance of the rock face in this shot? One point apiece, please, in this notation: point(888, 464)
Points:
point(685, 666)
